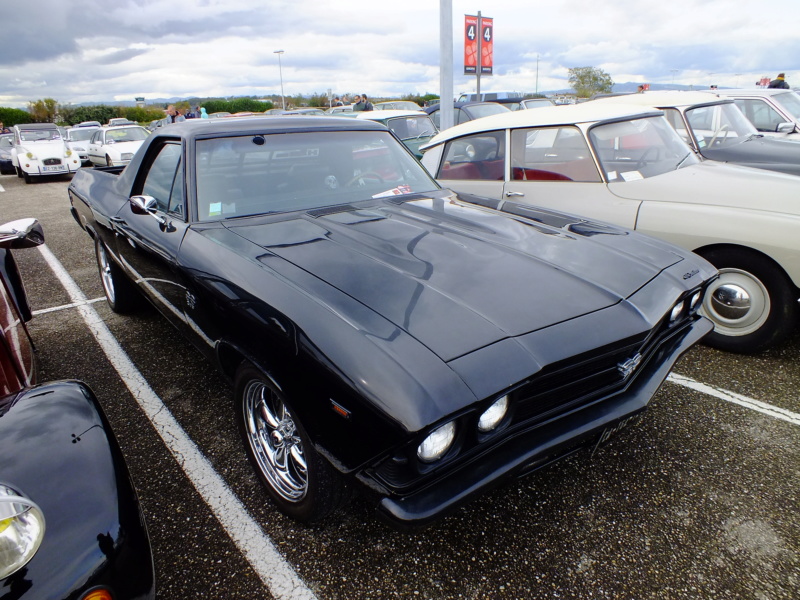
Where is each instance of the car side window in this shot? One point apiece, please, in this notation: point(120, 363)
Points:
point(760, 114)
point(162, 181)
point(480, 156)
point(551, 154)
point(673, 115)
point(96, 137)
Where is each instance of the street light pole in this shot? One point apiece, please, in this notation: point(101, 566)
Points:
point(280, 73)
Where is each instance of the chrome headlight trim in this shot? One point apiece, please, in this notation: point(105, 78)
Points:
point(437, 443)
point(494, 415)
point(22, 527)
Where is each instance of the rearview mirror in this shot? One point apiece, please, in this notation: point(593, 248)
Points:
point(22, 233)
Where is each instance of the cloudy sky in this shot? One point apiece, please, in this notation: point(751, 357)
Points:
point(92, 51)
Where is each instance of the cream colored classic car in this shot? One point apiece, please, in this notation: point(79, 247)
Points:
point(628, 166)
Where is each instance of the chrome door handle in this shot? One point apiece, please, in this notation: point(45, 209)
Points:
point(509, 194)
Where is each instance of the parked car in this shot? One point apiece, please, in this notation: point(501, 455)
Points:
point(490, 96)
point(716, 129)
point(120, 121)
point(397, 105)
point(466, 111)
point(217, 115)
point(338, 110)
point(379, 330)
point(115, 146)
point(306, 112)
point(6, 163)
point(39, 150)
point(628, 166)
point(89, 124)
point(413, 127)
point(527, 103)
point(772, 111)
point(77, 139)
point(70, 522)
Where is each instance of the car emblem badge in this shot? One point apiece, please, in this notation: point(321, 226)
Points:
point(629, 366)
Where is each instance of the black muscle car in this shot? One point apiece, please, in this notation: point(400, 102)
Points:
point(70, 522)
point(375, 327)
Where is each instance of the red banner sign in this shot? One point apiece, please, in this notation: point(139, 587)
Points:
point(472, 32)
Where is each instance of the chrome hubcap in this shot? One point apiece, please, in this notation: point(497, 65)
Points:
point(738, 303)
point(105, 272)
point(273, 438)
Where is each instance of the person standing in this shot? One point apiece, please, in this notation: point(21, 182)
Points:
point(367, 103)
point(779, 82)
point(358, 103)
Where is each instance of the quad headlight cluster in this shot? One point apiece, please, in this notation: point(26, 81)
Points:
point(21, 530)
point(685, 306)
point(440, 440)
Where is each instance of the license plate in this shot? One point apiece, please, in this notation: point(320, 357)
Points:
point(612, 430)
point(59, 168)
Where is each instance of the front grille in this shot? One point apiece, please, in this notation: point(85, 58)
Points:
point(52, 161)
point(577, 381)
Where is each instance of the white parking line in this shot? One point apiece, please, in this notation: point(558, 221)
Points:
point(245, 532)
point(43, 311)
point(728, 396)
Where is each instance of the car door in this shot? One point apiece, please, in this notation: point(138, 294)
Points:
point(473, 164)
point(94, 149)
point(764, 116)
point(554, 167)
point(148, 243)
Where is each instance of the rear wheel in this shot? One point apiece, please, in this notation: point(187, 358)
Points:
point(302, 483)
point(121, 294)
point(753, 304)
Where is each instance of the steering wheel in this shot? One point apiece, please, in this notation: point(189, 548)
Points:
point(365, 175)
point(642, 162)
point(717, 133)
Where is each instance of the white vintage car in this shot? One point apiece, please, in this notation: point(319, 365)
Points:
point(40, 150)
point(77, 139)
point(773, 111)
point(628, 166)
point(115, 146)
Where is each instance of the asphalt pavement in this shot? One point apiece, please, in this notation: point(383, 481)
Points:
point(699, 500)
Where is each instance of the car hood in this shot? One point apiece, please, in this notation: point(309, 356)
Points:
point(766, 152)
point(459, 277)
point(42, 147)
point(718, 184)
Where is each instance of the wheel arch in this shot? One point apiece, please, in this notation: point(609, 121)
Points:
point(747, 250)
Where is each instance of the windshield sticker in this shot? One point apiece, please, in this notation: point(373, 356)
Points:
point(612, 175)
point(631, 176)
point(398, 191)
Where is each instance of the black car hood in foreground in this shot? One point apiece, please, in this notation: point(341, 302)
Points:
point(458, 277)
point(760, 151)
point(58, 450)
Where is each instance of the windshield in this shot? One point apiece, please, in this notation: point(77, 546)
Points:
point(283, 172)
point(640, 148)
point(129, 134)
point(719, 125)
point(80, 134)
point(39, 135)
point(408, 128)
point(6, 141)
point(791, 102)
point(484, 110)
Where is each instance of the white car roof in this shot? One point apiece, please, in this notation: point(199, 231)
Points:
point(755, 93)
point(388, 114)
point(664, 99)
point(570, 114)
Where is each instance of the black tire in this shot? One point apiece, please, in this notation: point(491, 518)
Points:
point(121, 294)
point(753, 304)
point(108, 161)
point(302, 484)
point(19, 172)
point(28, 178)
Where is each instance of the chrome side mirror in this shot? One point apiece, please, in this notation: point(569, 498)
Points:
point(147, 205)
point(22, 233)
point(785, 128)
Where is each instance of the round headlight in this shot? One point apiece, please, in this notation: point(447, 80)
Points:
point(68, 153)
point(127, 155)
point(31, 156)
point(493, 415)
point(21, 530)
point(676, 313)
point(437, 443)
point(695, 301)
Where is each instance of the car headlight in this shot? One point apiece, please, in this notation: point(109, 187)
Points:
point(21, 530)
point(437, 443)
point(30, 156)
point(676, 313)
point(493, 416)
point(695, 301)
point(68, 153)
point(79, 149)
point(127, 156)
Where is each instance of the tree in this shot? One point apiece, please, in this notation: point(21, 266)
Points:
point(43, 111)
point(587, 81)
